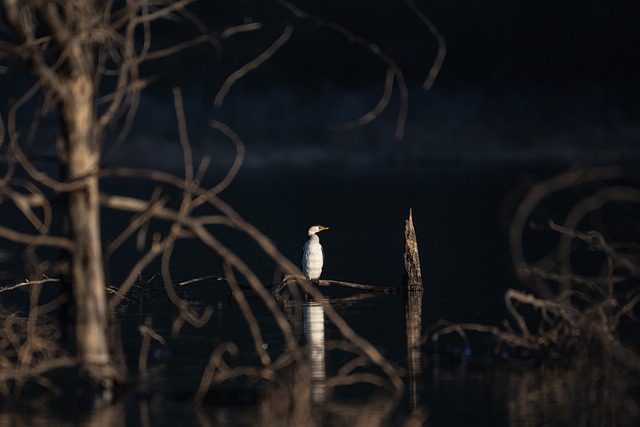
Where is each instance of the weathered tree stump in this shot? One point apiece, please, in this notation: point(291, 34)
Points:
point(412, 277)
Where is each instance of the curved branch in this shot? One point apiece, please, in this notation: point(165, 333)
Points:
point(235, 167)
point(251, 65)
point(376, 111)
point(35, 240)
point(392, 67)
point(536, 194)
point(583, 208)
point(442, 45)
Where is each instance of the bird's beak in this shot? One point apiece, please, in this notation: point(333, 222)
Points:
point(322, 228)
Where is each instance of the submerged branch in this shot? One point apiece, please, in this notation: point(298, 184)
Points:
point(292, 279)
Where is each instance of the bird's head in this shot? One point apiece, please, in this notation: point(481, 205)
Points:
point(316, 229)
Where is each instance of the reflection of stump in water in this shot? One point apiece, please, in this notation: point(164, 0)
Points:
point(314, 332)
point(413, 317)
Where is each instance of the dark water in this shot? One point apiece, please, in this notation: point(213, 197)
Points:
point(460, 214)
point(457, 213)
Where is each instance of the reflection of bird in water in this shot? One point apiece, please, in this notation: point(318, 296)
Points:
point(312, 256)
point(314, 332)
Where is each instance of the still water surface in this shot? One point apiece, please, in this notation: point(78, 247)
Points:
point(460, 216)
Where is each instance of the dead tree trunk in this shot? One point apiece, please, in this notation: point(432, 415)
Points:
point(412, 277)
point(79, 51)
point(58, 42)
point(79, 152)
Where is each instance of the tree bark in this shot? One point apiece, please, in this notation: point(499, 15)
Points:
point(412, 276)
point(78, 147)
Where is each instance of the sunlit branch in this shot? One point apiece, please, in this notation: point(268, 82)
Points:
point(28, 283)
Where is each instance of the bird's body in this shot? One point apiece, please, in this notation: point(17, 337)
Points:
point(312, 254)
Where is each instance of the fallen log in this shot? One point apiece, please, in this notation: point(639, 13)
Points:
point(291, 279)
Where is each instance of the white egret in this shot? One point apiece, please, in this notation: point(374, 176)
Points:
point(312, 255)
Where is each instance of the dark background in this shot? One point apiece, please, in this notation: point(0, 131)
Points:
point(522, 79)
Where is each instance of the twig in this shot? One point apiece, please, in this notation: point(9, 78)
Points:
point(236, 29)
point(147, 335)
point(201, 279)
point(28, 283)
point(597, 242)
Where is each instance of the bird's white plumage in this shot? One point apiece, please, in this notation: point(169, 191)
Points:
point(312, 255)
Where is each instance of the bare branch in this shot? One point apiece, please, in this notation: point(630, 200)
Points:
point(24, 162)
point(169, 51)
point(156, 249)
point(290, 279)
point(28, 283)
point(147, 335)
point(442, 45)
point(393, 70)
point(597, 242)
point(186, 147)
point(130, 12)
point(235, 168)
point(248, 315)
point(137, 223)
point(25, 373)
point(376, 111)
point(112, 44)
point(21, 20)
point(237, 29)
point(535, 196)
point(251, 65)
point(34, 239)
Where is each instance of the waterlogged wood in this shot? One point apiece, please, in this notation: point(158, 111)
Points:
point(293, 279)
point(358, 286)
point(412, 276)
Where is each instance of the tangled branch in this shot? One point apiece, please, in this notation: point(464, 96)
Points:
point(578, 309)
